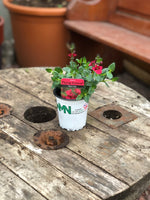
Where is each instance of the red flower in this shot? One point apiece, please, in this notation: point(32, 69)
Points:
point(78, 91)
point(67, 97)
point(92, 63)
point(70, 94)
point(97, 69)
point(72, 55)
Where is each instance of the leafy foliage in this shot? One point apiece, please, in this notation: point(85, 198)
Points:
point(91, 72)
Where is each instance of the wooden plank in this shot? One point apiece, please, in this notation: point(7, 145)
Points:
point(123, 169)
point(93, 10)
point(139, 6)
point(129, 133)
point(114, 36)
point(20, 102)
point(32, 81)
point(41, 88)
point(39, 174)
point(12, 187)
point(122, 95)
point(131, 22)
point(66, 161)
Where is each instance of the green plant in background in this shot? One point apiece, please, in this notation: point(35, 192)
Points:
point(91, 72)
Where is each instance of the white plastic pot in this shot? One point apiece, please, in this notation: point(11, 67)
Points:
point(72, 114)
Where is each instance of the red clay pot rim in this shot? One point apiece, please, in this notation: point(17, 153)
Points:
point(34, 10)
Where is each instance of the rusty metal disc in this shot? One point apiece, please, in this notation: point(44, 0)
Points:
point(5, 110)
point(51, 139)
point(113, 115)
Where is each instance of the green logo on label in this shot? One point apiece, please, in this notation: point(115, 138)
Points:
point(64, 108)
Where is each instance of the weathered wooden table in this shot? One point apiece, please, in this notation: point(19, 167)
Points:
point(107, 159)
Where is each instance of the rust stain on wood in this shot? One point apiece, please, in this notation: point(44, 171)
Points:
point(5, 110)
point(51, 139)
point(113, 115)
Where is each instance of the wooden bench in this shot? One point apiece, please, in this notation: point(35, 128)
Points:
point(123, 25)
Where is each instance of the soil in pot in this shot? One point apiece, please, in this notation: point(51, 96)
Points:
point(42, 3)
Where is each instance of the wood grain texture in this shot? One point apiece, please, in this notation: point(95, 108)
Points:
point(96, 10)
point(12, 187)
point(114, 36)
point(131, 22)
point(24, 134)
point(36, 172)
point(41, 89)
point(103, 162)
point(70, 163)
point(142, 7)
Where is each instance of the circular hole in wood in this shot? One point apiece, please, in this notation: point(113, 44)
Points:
point(112, 114)
point(39, 114)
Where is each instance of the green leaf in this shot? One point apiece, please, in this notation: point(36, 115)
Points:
point(86, 98)
point(91, 90)
point(79, 97)
point(49, 70)
point(100, 78)
point(56, 84)
point(115, 79)
point(67, 69)
point(109, 75)
point(112, 67)
point(98, 59)
point(104, 70)
point(78, 76)
point(58, 69)
point(89, 77)
point(84, 60)
point(68, 75)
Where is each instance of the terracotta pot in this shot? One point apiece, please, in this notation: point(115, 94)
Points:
point(40, 35)
point(1, 36)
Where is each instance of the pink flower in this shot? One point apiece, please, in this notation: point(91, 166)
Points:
point(66, 97)
point(70, 94)
point(97, 69)
point(78, 91)
point(72, 55)
point(92, 63)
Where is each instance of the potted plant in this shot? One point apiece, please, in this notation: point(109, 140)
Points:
point(80, 79)
point(38, 30)
point(1, 36)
